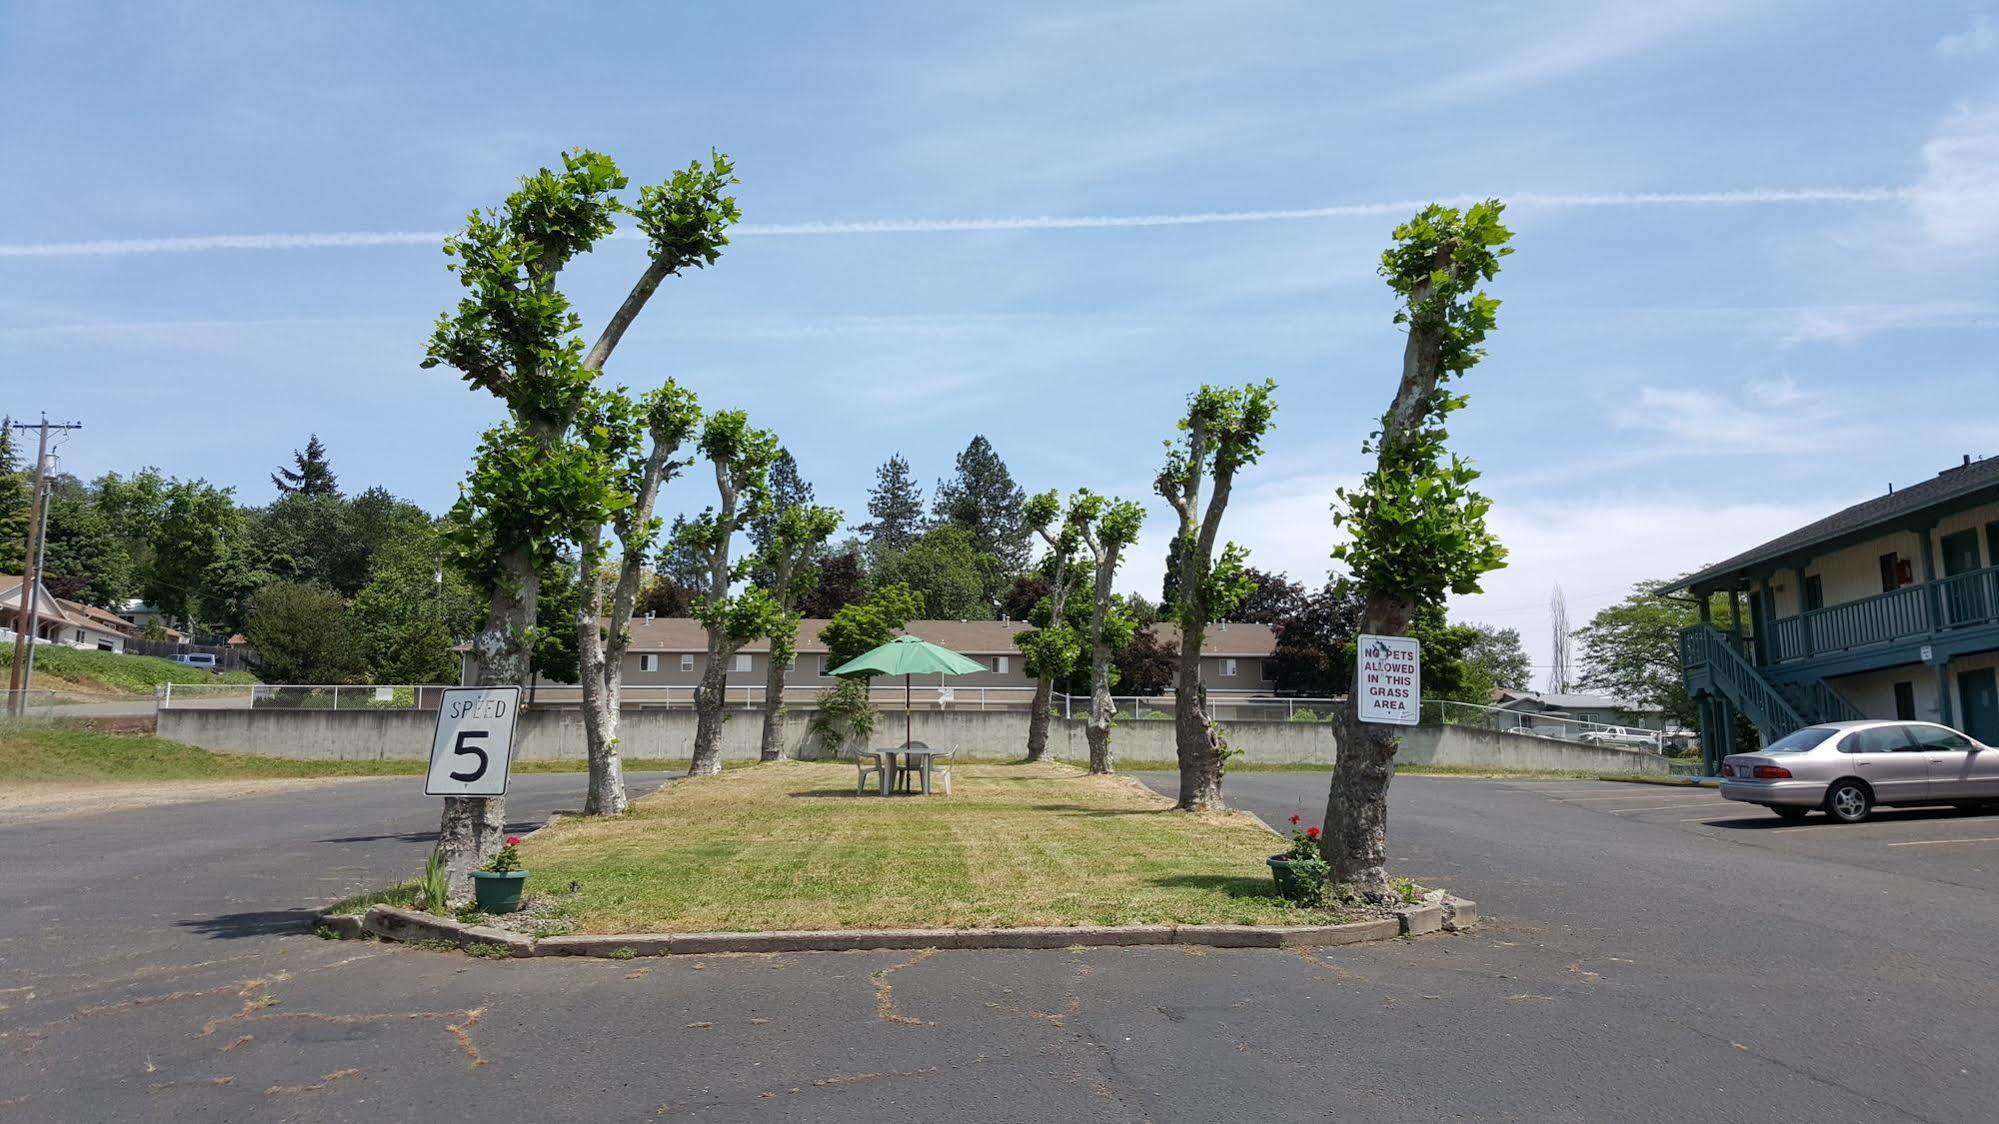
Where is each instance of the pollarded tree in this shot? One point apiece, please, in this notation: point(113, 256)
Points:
point(1105, 527)
point(1050, 650)
point(515, 336)
point(742, 457)
point(1416, 528)
point(637, 447)
point(788, 546)
point(1223, 433)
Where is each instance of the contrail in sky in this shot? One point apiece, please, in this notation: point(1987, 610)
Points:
point(1754, 197)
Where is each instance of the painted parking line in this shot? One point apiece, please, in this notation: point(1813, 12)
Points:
point(1677, 794)
point(1660, 807)
point(1946, 842)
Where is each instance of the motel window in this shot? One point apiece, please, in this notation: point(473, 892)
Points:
point(1905, 702)
point(687, 661)
point(1890, 580)
point(1000, 664)
point(1228, 669)
point(1814, 593)
point(742, 662)
point(648, 662)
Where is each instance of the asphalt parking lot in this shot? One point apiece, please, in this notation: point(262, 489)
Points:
point(1651, 954)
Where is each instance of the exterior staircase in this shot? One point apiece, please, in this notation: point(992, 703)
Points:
point(1711, 661)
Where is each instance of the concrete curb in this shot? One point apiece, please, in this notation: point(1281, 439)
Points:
point(396, 924)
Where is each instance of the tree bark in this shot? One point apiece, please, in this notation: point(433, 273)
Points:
point(771, 748)
point(1037, 719)
point(470, 830)
point(708, 708)
point(1102, 710)
point(1355, 843)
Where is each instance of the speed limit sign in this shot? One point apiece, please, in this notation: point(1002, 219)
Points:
point(474, 742)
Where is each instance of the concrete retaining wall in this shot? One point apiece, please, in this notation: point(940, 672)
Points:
point(553, 735)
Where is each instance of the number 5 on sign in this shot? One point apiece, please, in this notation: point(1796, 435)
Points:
point(474, 742)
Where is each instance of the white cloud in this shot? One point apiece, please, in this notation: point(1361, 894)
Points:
point(1956, 201)
point(1598, 547)
point(1980, 36)
point(1846, 324)
point(1690, 419)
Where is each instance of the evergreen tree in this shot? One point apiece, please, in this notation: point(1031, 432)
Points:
point(312, 477)
point(985, 501)
point(15, 493)
point(896, 505)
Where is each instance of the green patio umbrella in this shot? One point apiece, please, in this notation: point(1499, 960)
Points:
point(908, 656)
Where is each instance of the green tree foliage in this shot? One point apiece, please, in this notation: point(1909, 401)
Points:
point(311, 474)
point(553, 657)
point(840, 579)
point(983, 500)
point(304, 634)
point(134, 508)
point(1499, 655)
point(304, 537)
point(202, 562)
point(1416, 527)
point(869, 623)
point(86, 559)
point(895, 508)
point(947, 569)
point(414, 609)
point(1105, 527)
point(1314, 653)
point(16, 502)
point(787, 548)
point(1631, 651)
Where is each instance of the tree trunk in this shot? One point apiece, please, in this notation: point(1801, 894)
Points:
point(470, 831)
point(772, 746)
point(1200, 768)
point(1102, 710)
point(1037, 719)
point(708, 707)
point(1355, 843)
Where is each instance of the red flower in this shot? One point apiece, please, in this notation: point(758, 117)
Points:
point(1294, 819)
point(1311, 833)
point(514, 840)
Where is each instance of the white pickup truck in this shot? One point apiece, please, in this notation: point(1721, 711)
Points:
point(1623, 735)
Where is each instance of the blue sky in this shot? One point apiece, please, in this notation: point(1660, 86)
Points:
point(1754, 278)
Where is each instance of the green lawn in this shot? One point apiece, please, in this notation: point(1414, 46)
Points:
point(789, 846)
point(115, 671)
point(73, 751)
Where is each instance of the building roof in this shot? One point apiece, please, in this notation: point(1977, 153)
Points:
point(976, 638)
point(1861, 521)
point(75, 612)
point(1571, 701)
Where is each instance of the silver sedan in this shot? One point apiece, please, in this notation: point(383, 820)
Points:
point(1850, 768)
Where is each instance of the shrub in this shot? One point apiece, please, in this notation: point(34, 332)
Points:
point(1304, 714)
point(844, 714)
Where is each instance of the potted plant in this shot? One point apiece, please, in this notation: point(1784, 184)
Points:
point(497, 885)
point(1301, 872)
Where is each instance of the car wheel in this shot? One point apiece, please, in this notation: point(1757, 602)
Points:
point(1849, 802)
point(1791, 811)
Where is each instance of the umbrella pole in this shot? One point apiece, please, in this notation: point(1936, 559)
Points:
point(907, 713)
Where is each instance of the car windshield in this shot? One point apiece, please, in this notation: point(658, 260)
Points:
point(1798, 741)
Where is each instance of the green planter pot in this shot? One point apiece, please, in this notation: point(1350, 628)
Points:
point(498, 893)
point(1291, 884)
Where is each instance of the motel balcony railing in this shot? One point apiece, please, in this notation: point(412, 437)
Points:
point(1906, 614)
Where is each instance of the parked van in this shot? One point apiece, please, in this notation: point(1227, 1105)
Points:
point(203, 660)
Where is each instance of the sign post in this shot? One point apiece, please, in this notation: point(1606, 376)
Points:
point(474, 743)
point(1390, 687)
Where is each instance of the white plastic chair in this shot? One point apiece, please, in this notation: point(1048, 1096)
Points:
point(867, 763)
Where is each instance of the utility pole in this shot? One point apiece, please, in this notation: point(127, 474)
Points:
point(31, 579)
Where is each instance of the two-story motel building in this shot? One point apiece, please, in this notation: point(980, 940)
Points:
point(1888, 609)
